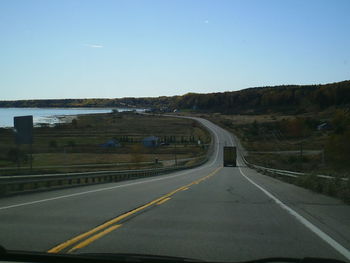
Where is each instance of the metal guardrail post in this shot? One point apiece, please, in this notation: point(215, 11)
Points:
point(286, 172)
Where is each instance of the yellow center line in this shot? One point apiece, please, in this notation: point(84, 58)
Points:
point(69, 242)
point(96, 229)
point(93, 238)
point(76, 239)
point(163, 201)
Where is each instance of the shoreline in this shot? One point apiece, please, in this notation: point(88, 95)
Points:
point(51, 116)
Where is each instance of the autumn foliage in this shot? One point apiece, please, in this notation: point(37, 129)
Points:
point(287, 98)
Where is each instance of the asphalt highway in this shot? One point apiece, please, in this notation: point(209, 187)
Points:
point(211, 212)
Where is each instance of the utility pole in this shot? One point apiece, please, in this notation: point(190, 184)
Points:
point(323, 156)
point(18, 156)
point(301, 156)
point(31, 156)
point(175, 155)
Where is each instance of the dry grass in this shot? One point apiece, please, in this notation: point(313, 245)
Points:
point(273, 140)
point(48, 159)
point(79, 142)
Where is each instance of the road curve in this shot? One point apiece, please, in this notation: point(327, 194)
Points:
point(210, 213)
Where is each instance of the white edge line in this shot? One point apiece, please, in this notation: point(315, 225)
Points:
point(117, 186)
point(330, 241)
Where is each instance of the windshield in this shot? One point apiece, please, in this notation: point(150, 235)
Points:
point(211, 130)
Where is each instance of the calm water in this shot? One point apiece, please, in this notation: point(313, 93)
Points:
point(46, 115)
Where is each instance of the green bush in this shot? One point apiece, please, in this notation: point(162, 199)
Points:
point(344, 191)
point(53, 144)
point(14, 155)
point(71, 144)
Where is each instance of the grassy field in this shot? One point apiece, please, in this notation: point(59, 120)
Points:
point(293, 142)
point(79, 142)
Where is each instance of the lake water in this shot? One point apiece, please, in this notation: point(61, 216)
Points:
point(47, 115)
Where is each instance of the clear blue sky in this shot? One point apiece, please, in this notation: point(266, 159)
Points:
point(108, 49)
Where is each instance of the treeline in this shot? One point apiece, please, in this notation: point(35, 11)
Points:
point(159, 102)
point(288, 98)
point(338, 144)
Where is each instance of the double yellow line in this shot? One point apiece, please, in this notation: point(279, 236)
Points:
point(111, 225)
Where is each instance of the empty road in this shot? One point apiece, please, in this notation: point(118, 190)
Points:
point(211, 212)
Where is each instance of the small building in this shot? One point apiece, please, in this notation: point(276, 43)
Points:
point(151, 141)
point(110, 144)
point(324, 126)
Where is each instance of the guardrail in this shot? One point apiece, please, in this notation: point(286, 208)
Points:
point(286, 172)
point(291, 174)
point(95, 165)
point(22, 183)
point(14, 184)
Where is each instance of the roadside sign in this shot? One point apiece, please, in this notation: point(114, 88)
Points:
point(23, 129)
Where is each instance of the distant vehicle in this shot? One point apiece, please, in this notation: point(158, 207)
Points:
point(230, 156)
point(164, 144)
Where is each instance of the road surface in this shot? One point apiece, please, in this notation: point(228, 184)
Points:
point(210, 212)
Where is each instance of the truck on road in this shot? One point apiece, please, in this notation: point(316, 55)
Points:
point(230, 156)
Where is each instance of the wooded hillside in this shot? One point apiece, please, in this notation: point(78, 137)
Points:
point(287, 99)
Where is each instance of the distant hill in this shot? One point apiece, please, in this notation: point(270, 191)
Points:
point(286, 98)
point(158, 102)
